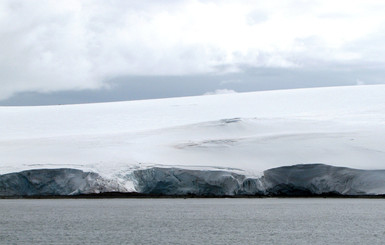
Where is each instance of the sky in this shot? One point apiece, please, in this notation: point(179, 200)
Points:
point(83, 51)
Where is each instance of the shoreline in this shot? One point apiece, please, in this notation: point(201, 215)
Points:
point(135, 195)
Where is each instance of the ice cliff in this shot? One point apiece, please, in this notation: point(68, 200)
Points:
point(297, 180)
point(55, 182)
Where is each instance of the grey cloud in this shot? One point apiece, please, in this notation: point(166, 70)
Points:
point(73, 51)
point(256, 17)
point(252, 79)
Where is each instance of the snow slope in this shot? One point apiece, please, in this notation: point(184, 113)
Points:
point(244, 133)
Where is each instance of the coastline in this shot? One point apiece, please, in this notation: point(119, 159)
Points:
point(136, 195)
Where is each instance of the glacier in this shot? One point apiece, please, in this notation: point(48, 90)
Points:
point(297, 180)
point(257, 144)
point(55, 182)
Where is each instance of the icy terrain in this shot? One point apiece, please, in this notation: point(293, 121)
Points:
point(223, 144)
point(297, 180)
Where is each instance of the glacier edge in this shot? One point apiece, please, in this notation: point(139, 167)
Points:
point(296, 180)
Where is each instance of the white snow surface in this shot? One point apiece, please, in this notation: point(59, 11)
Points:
point(244, 132)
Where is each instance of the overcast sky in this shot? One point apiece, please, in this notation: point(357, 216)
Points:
point(59, 52)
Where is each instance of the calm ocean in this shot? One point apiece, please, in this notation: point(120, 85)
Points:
point(193, 221)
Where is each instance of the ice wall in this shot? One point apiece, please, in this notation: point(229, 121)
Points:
point(297, 180)
point(49, 182)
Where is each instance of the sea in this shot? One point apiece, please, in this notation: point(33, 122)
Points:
point(193, 221)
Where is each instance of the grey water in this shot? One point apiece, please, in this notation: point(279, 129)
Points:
point(192, 221)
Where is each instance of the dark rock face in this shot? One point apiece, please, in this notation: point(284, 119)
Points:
point(49, 182)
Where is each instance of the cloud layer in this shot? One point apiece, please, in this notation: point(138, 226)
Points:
point(51, 46)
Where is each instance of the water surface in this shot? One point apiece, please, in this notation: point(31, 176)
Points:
point(193, 221)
